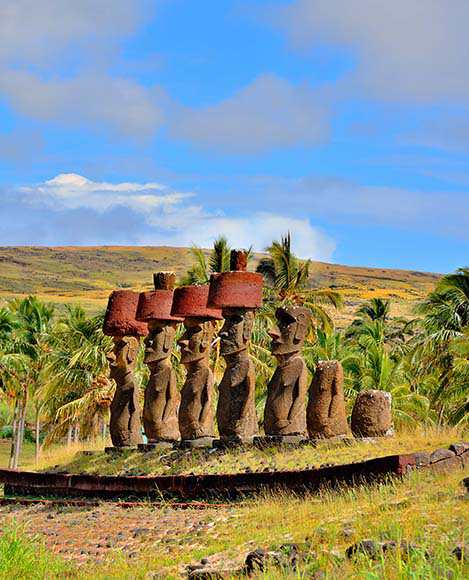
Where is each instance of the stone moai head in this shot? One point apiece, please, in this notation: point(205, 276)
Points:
point(123, 356)
point(292, 327)
point(238, 293)
point(236, 331)
point(190, 303)
point(120, 322)
point(155, 309)
point(196, 341)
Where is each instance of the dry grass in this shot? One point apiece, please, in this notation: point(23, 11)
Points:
point(86, 275)
point(426, 509)
point(232, 461)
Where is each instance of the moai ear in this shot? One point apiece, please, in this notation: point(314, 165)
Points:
point(132, 350)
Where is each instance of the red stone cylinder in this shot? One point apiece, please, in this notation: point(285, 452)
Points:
point(191, 301)
point(235, 290)
point(156, 305)
point(120, 318)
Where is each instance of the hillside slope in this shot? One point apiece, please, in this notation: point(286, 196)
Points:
point(86, 275)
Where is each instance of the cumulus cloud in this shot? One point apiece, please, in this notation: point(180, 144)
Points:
point(404, 48)
point(70, 208)
point(268, 113)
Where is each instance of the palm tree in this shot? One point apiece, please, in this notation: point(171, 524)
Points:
point(23, 362)
point(217, 261)
point(445, 322)
point(78, 393)
point(287, 279)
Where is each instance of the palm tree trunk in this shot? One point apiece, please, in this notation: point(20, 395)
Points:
point(20, 429)
point(69, 435)
point(14, 434)
point(38, 432)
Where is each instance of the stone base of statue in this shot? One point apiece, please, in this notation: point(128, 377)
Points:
point(233, 442)
point(120, 450)
point(279, 441)
point(329, 441)
point(199, 443)
point(156, 445)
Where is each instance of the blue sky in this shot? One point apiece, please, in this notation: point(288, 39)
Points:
point(168, 122)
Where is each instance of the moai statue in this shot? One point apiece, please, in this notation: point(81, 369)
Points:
point(371, 415)
point(325, 415)
point(238, 293)
point(120, 323)
point(285, 408)
point(196, 410)
point(162, 398)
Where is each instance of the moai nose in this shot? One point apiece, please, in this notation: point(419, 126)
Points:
point(274, 333)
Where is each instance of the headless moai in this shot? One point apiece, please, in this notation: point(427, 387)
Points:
point(120, 323)
point(371, 414)
point(285, 408)
point(325, 414)
point(196, 413)
point(238, 293)
point(162, 398)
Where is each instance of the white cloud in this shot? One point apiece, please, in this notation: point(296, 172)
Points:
point(405, 48)
point(40, 30)
point(89, 98)
point(166, 217)
point(268, 113)
point(72, 191)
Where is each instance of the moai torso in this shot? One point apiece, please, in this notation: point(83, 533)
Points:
point(326, 414)
point(285, 408)
point(371, 415)
point(162, 397)
point(196, 410)
point(236, 410)
point(125, 425)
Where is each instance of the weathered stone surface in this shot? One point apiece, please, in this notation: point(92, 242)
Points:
point(325, 413)
point(125, 425)
point(120, 317)
point(371, 415)
point(369, 548)
point(285, 408)
point(422, 459)
point(238, 288)
point(162, 397)
point(236, 410)
point(196, 410)
point(192, 302)
point(440, 455)
point(465, 482)
point(459, 448)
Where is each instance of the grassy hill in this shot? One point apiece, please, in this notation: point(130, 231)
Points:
point(86, 275)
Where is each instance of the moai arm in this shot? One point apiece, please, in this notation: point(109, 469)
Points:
point(250, 390)
point(206, 399)
point(172, 399)
point(299, 396)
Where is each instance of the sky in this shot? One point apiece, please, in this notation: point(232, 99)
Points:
point(170, 122)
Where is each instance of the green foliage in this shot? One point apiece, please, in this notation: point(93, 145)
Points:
point(23, 557)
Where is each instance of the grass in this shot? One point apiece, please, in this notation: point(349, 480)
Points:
point(24, 556)
point(184, 462)
point(425, 509)
point(86, 275)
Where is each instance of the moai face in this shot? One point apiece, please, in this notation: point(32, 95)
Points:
point(123, 356)
point(196, 340)
point(290, 333)
point(236, 331)
point(159, 342)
